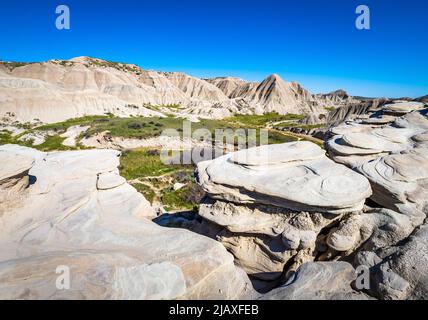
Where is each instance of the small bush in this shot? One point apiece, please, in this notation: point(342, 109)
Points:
point(134, 125)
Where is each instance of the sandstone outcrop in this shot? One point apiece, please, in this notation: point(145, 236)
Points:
point(277, 203)
point(75, 211)
point(319, 281)
point(399, 272)
point(394, 157)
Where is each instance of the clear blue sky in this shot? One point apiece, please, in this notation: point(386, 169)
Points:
point(314, 42)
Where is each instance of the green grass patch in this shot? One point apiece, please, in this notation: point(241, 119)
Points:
point(330, 109)
point(300, 126)
point(277, 138)
point(146, 191)
point(83, 121)
point(144, 163)
point(53, 143)
point(6, 138)
point(262, 120)
point(178, 199)
point(144, 128)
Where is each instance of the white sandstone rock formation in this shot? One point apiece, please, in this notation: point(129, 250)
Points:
point(402, 108)
point(275, 204)
point(76, 212)
point(296, 175)
point(319, 281)
point(399, 272)
point(394, 157)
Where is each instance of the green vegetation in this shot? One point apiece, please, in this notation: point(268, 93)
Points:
point(143, 128)
point(300, 126)
point(137, 164)
point(116, 65)
point(83, 121)
point(155, 180)
point(177, 199)
point(6, 138)
point(146, 191)
point(263, 120)
point(53, 143)
point(13, 65)
point(66, 63)
point(143, 168)
point(277, 137)
point(330, 109)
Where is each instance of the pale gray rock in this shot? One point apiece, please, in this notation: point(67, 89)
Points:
point(72, 134)
point(14, 165)
point(79, 213)
point(13, 176)
point(399, 182)
point(297, 176)
point(89, 86)
point(404, 107)
point(370, 230)
point(319, 281)
point(265, 238)
point(109, 180)
point(394, 159)
point(274, 203)
point(36, 138)
point(399, 272)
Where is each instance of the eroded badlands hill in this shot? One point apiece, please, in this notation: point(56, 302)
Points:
point(57, 90)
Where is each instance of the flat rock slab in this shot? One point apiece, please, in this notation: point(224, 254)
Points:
point(394, 158)
point(297, 176)
point(13, 164)
point(403, 107)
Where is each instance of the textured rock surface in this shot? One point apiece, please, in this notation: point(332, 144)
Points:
point(296, 176)
point(276, 202)
point(394, 157)
point(13, 176)
point(370, 230)
point(319, 281)
point(78, 212)
point(88, 86)
point(265, 238)
point(400, 108)
point(400, 272)
point(355, 109)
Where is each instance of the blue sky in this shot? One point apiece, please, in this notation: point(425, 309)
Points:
point(311, 41)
